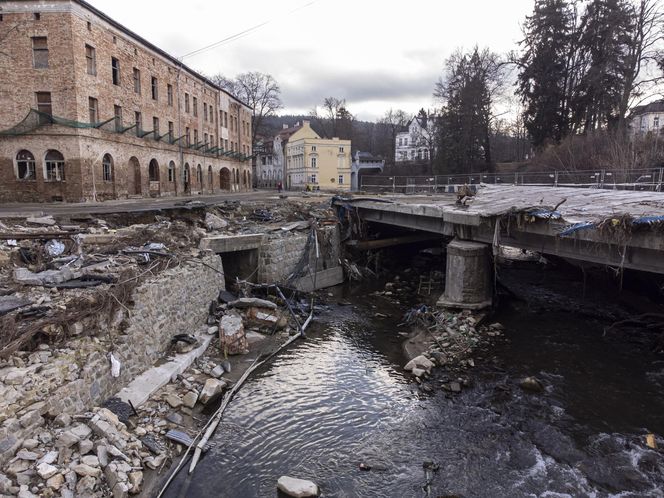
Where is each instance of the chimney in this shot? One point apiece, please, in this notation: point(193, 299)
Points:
point(285, 126)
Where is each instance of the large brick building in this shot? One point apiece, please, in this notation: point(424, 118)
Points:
point(90, 111)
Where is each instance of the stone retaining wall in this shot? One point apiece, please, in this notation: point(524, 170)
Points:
point(78, 376)
point(278, 256)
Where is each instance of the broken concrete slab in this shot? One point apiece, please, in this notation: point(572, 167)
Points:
point(41, 220)
point(231, 243)
point(252, 302)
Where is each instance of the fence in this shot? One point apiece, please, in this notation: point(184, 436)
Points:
point(636, 179)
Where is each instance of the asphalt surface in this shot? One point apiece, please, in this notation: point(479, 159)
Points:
point(21, 210)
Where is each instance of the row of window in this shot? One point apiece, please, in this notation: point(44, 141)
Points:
point(41, 61)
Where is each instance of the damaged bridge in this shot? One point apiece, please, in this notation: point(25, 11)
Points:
point(621, 229)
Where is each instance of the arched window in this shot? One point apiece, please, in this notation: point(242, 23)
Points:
point(25, 165)
point(107, 168)
point(153, 171)
point(54, 163)
point(210, 178)
point(171, 171)
point(199, 175)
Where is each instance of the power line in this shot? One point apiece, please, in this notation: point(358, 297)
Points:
point(245, 32)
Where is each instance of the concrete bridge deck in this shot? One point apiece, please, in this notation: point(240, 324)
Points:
point(618, 228)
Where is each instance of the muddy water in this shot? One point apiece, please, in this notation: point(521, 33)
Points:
point(341, 398)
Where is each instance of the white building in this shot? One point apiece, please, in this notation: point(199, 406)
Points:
point(647, 118)
point(416, 143)
point(267, 173)
point(279, 151)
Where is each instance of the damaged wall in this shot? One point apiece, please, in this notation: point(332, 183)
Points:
point(71, 379)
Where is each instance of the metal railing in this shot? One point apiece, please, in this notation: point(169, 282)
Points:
point(636, 179)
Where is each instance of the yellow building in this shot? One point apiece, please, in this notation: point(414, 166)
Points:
point(315, 162)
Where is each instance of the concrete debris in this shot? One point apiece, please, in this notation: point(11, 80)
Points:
point(214, 222)
point(41, 220)
point(211, 388)
point(252, 302)
point(231, 334)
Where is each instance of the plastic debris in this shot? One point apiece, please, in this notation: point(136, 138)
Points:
point(115, 366)
point(55, 248)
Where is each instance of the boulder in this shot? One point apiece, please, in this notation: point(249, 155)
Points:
point(211, 388)
point(46, 470)
point(419, 362)
point(189, 399)
point(418, 372)
point(297, 488)
point(531, 384)
point(214, 222)
point(253, 302)
point(231, 334)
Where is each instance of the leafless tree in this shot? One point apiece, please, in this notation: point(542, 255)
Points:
point(394, 121)
point(334, 118)
point(258, 90)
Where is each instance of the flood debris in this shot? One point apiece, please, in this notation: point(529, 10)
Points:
point(297, 488)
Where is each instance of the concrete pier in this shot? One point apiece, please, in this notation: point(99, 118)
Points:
point(468, 282)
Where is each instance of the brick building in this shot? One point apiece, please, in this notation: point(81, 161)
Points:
point(89, 110)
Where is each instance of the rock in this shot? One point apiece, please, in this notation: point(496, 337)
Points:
point(231, 334)
point(214, 222)
point(174, 401)
point(217, 371)
point(155, 461)
point(85, 447)
point(120, 490)
point(189, 400)
point(211, 388)
point(254, 337)
point(135, 482)
point(90, 460)
point(56, 482)
point(50, 457)
point(30, 444)
point(227, 365)
point(297, 488)
point(252, 302)
point(5, 484)
point(455, 387)
point(419, 362)
point(418, 372)
point(66, 440)
point(81, 431)
point(41, 220)
point(27, 455)
point(62, 420)
point(531, 384)
point(86, 486)
point(86, 470)
point(24, 492)
point(16, 467)
point(102, 455)
point(212, 330)
point(175, 418)
point(46, 470)
point(15, 376)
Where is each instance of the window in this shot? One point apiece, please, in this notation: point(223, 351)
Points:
point(341, 150)
point(115, 40)
point(91, 60)
point(37, 16)
point(155, 88)
point(341, 179)
point(169, 93)
point(137, 81)
point(195, 137)
point(107, 168)
point(313, 148)
point(313, 162)
point(405, 141)
point(44, 103)
point(655, 122)
point(188, 137)
point(225, 119)
point(205, 141)
point(94, 110)
point(115, 70)
point(138, 120)
point(55, 166)
point(211, 141)
point(170, 131)
point(199, 175)
point(195, 107)
point(155, 127)
point(204, 111)
point(25, 165)
point(171, 171)
point(153, 171)
point(89, 26)
point(313, 178)
point(186, 102)
point(117, 111)
point(39, 52)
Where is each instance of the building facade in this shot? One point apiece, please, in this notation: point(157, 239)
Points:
point(92, 111)
point(268, 172)
point(647, 118)
point(313, 162)
point(364, 162)
point(416, 142)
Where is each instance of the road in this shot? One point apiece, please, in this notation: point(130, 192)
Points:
point(22, 210)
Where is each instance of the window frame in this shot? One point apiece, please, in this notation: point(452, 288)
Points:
point(91, 60)
point(136, 73)
point(107, 168)
point(28, 163)
point(39, 52)
point(115, 71)
point(154, 87)
point(54, 169)
point(93, 109)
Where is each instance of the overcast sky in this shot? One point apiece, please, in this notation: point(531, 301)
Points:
point(376, 54)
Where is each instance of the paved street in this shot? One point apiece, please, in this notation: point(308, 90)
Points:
point(18, 210)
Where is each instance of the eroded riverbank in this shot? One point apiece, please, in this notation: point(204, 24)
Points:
point(341, 398)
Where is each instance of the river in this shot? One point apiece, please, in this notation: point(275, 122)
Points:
point(340, 398)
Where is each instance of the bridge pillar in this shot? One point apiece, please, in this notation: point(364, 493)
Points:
point(468, 278)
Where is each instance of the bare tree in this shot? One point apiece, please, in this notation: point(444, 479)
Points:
point(258, 90)
point(335, 118)
point(394, 121)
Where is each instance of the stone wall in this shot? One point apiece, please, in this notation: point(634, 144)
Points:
point(279, 255)
point(76, 377)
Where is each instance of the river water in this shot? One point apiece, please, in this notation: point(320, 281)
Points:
point(341, 398)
